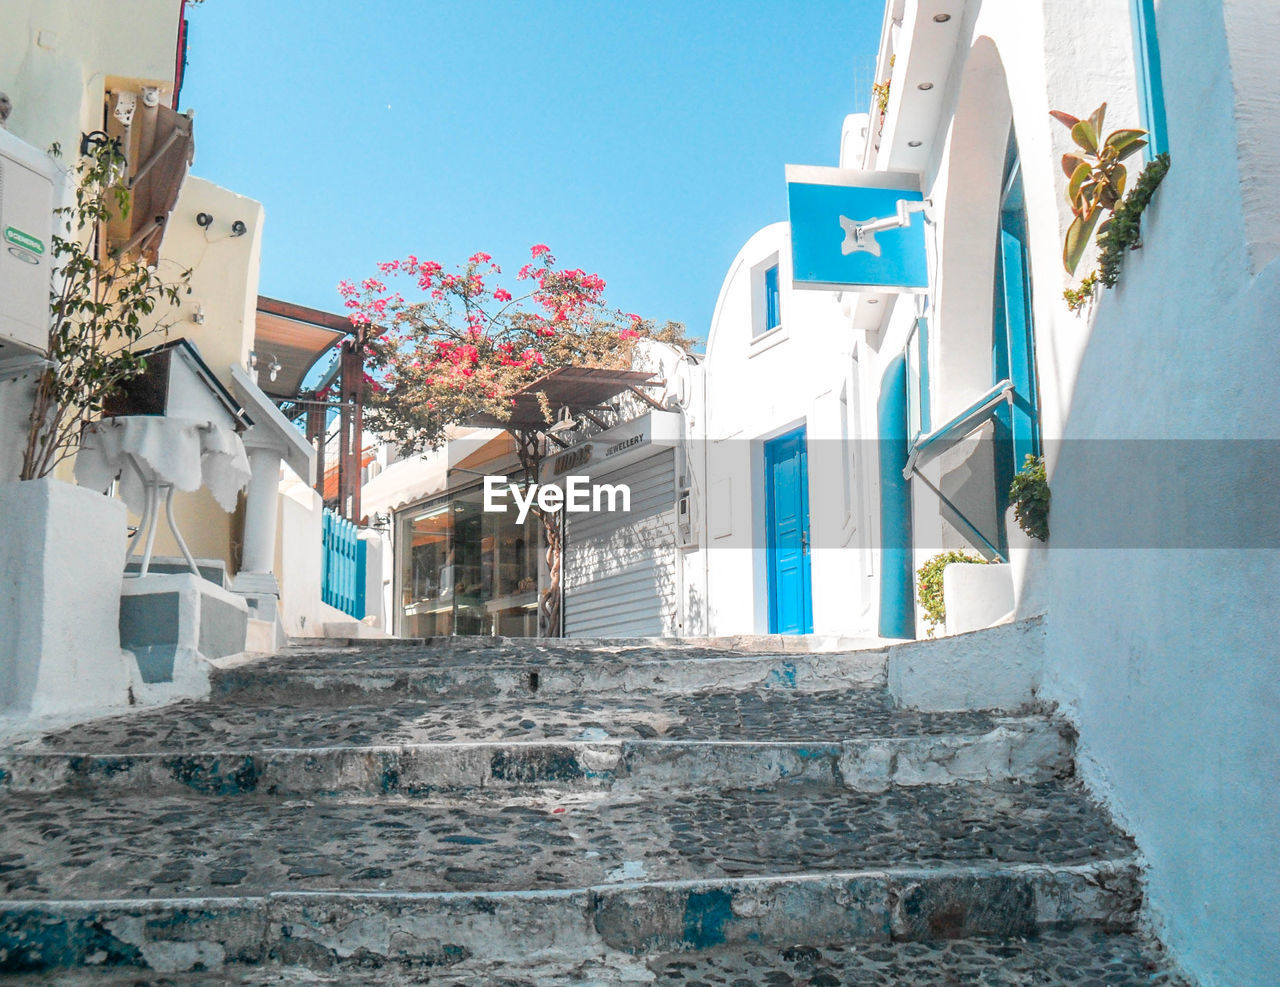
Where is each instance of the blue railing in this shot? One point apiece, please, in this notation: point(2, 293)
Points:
point(342, 565)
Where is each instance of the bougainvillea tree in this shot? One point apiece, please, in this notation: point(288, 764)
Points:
point(448, 347)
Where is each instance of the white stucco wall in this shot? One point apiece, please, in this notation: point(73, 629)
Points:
point(1161, 656)
point(298, 561)
point(1169, 662)
point(59, 623)
point(756, 388)
point(57, 58)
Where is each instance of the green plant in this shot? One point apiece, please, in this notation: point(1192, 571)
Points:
point(880, 90)
point(929, 585)
point(1124, 231)
point(1095, 177)
point(100, 304)
point(1077, 298)
point(1029, 495)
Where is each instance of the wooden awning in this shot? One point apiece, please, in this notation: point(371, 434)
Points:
point(159, 147)
point(567, 387)
point(295, 337)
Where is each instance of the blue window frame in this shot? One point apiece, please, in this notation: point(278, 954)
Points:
point(772, 300)
point(1150, 81)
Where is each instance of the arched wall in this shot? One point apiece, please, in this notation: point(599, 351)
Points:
point(970, 211)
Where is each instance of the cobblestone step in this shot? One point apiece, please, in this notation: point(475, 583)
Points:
point(370, 672)
point(1085, 956)
point(400, 812)
point(767, 715)
point(63, 846)
point(1030, 749)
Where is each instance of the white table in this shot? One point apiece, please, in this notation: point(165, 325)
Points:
point(152, 456)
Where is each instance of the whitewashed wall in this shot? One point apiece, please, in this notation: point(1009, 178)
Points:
point(761, 386)
point(1164, 658)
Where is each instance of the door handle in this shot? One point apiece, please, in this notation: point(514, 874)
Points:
point(804, 542)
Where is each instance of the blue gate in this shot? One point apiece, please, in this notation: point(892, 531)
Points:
point(342, 565)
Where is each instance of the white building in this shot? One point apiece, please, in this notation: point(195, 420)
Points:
point(1155, 409)
point(782, 400)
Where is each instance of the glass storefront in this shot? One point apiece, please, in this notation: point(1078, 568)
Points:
point(463, 570)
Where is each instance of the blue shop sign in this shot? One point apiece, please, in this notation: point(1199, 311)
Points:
point(856, 229)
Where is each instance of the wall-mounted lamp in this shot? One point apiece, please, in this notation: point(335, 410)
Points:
point(274, 368)
point(204, 220)
point(90, 142)
point(198, 315)
point(238, 228)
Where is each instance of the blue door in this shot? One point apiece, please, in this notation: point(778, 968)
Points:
point(786, 483)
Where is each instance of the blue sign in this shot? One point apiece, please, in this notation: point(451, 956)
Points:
point(868, 235)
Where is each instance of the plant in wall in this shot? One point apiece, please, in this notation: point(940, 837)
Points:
point(1029, 496)
point(100, 305)
point(880, 90)
point(929, 585)
point(1124, 231)
point(1077, 298)
point(1096, 176)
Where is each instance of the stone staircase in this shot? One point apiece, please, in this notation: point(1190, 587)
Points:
point(505, 812)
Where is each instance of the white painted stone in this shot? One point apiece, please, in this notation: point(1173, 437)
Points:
point(191, 668)
point(976, 596)
point(996, 668)
point(298, 561)
point(63, 554)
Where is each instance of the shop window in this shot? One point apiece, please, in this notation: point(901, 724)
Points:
point(1150, 82)
point(464, 570)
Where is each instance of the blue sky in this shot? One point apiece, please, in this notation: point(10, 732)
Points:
point(642, 141)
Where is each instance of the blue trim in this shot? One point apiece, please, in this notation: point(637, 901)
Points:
point(1013, 349)
point(919, 420)
point(1150, 78)
point(897, 606)
point(772, 300)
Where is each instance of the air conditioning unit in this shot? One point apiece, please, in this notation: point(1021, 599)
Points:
point(28, 178)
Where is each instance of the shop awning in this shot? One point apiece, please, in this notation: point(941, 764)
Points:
point(567, 387)
point(294, 337)
point(408, 481)
point(160, 146)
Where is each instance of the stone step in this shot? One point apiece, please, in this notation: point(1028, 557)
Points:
point(60, 845)
point(1081, 956)
point(1030, 749)
point(311, 676)
point(324, 930)
point(767, 715)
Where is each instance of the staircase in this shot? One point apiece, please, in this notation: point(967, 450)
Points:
point(505, 812)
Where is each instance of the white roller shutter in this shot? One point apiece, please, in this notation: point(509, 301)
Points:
point(620, 567)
